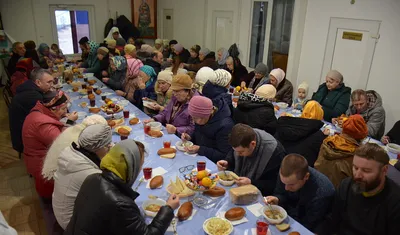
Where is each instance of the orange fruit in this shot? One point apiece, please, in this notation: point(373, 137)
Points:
point(202, 174)
point(206, 182)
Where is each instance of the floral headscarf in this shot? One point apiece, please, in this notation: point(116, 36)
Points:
point(55, 99)
point(119, 62)
point(93, 48)
point(150, 72)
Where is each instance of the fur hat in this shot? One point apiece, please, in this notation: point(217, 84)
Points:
point(180, 82)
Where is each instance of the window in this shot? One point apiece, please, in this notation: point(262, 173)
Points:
point(70, 24)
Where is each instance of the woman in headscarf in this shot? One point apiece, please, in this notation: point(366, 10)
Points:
point(201, 77)
point(104, 57)
point(163, 92)
point(335, 158)
point(31, 52)
point(117, 73)
point(222, 55)
point(237, 69)
point(257, 78)
point(110, 193)
point(194, 55)
point(303, 135)
point(284, 88)
point(41, 127)
point(207, 59)
point(45, 56)
point(158, 45)
point(257, 105)
point(23, 70)
point(92, 63)
point(216, 89)
point(57, 52)
point(77, 161)
point(333, 95)
point(149, 77)
point(111, 46)
point(113, 34)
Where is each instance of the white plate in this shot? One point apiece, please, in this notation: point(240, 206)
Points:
point(179, 146)
point(227, 221)
point(282, 105)
point(274, 207)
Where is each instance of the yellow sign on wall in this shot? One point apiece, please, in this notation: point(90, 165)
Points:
point(352, 36)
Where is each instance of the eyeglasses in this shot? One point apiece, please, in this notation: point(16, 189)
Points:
point(186, 168)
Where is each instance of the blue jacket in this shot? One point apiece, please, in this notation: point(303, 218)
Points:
point(219, 96)
point(213, 136)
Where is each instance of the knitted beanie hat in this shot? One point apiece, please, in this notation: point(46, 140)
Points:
point(204, 74)
point(355, 127)
point(165, 76)
point(200, 106)
point(204, 51)
point(261, 69)
point(129, 48)
point(334, 74)
point(222, 78)
point(266, 91)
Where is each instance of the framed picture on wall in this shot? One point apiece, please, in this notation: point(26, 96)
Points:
point(144, 17)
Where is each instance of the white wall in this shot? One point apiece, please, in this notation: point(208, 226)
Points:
point(384, 76)
point(30, 19)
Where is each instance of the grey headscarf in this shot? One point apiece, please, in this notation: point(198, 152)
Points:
point(262, 69)
point(204, 51)
point(253, 167)
point(132, 158)
point(95, 137)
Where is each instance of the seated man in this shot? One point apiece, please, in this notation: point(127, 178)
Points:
point(305, 193)
point(369, 105)
point(369, 202)
point(256, 158)
point(393, 136)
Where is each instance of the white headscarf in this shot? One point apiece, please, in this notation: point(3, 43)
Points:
point(110, 34)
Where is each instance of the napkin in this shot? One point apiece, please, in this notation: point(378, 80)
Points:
point(156, 171)
point(254, 231)
point(255, 209)
point(192, 155)
point(221, 214)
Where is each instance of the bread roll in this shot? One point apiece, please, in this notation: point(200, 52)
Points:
point(94, 110)
point(91, 97)
point(236, 213)
point(164, 151)
point(123, 131)
point(294, 233)
point(134, 121)
point(91, 82)
point(283, 227)
point(107, 100)
point(98, 92)
point(185, 211)
point(156, 182)
point(215, 192)
point(156, 134)
point(75, 89)
point(111, 123)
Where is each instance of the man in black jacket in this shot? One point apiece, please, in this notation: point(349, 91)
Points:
point(369, 202)
point(24, 100)
point(155, 61)
point(108, 199)
point(18, 52)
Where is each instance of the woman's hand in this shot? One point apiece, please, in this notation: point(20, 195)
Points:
point(148, 120)
point(105, 80)
point(120, 93)
point(72, 116)
point(185, 137)
point(222, 165)
point(243, 181)
point(171, 129)
point(192, 149)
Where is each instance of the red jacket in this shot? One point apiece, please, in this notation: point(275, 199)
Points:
point(40, 129)
point(17, 79)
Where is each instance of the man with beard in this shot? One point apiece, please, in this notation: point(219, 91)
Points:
point(369, 202)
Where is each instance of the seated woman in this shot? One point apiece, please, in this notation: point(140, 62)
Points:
point(176, 116)
point(212, 129)
point(149, 77)
point(303, 135)
point(44, 55)
point(207, 59)
point(201, 78)
point(133, 64)
point(41, 127)
point(194, 55)
point(163, 91)
point(111, 46)
point(333, 95)
point(120, 45)
point(103, 57)
point(131, 40)
point(57, 52)
point(284, 88)
point(216, 90)
point(31, 52)
point(237, 69)
point(257, 105)
point(117, 73)
point(335, 158)
point(111, 192)
point(91, 64)
point(177, 67)
point(393, 136)
point(24, 68)
point(260, 78)
point(113, 34)
point(222, 55)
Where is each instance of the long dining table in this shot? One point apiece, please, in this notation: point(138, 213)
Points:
point(171, 168)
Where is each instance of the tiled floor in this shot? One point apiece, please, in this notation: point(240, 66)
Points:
point(18, 199)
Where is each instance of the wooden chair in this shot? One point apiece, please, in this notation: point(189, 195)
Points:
point(7, 95)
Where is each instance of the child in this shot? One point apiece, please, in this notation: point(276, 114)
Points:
point(301, 99)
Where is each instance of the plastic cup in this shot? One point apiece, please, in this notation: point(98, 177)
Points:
point(262, 227)
point(92, 103)
point(124, 137)
point(103, 97)
point(147, 172)
point(167, 144)
point(147, 128)
point(201, 165)
point(126, 113)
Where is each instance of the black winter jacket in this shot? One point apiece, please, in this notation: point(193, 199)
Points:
point(21, 104)
point(106, 205)
point(154, 64)
point(300, 135)
point(260, 115)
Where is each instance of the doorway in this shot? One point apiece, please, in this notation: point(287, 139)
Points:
point(222, 29)
point(168, 27)
point(350, 49)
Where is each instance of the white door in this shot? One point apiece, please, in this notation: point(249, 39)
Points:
point(222, 29)
point(350, 49)
point(168, 28)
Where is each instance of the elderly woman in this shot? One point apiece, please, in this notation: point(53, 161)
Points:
point(77, 161)
point(117, 73)
point(110, 193)
point(260, 77)
point(194, 55)
point(303, 135)
point(222, 55)
point(333, 95)
point(256, 110)
point(284, 88)
point(158, 45)
point(45, 55)
point(163, 91)
point(212, 129)
point(112, 47)
point(237, 69)
point(201, 78)
point(133, 64)
point(113, 34)
point(104, 58)
point(41, 127)
point(335, 159)
point(23, 70)
point(91, 64)
point(207, 59)
point(216, 88)
point(176, 115)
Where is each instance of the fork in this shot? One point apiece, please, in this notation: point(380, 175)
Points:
point(173, 223)
point(140, 182)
